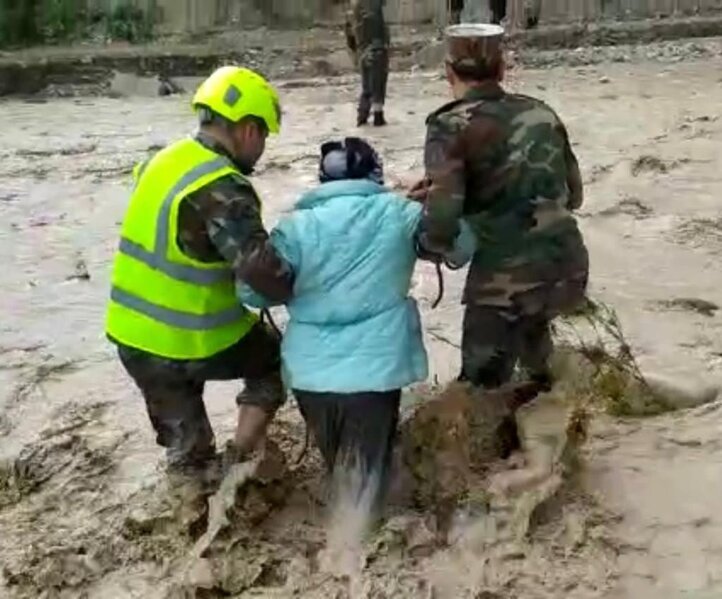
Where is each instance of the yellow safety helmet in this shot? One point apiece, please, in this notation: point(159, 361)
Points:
point(235, 92)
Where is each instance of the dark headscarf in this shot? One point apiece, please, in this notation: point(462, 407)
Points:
point(352, 158)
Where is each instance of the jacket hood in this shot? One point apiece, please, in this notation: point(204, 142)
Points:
point(335, 189)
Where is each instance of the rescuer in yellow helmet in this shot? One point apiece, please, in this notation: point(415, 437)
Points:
point(192, 229)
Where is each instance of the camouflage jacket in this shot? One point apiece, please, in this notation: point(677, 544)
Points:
point(222, 221)
point(504, 163)
point(367, 28)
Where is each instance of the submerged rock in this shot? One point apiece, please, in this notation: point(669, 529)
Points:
point(677, 392)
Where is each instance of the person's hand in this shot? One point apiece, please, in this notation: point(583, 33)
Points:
point(419, 190)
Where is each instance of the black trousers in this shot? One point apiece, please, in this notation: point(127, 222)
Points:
point(355, 434)
point(498, 10)
point(374, 79)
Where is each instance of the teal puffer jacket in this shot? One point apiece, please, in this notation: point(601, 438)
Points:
point(352, 325)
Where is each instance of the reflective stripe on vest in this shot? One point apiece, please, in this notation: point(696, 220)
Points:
point(157, 258)
point(176, 318)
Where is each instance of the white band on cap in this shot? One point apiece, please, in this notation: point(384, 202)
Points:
point(474, 30)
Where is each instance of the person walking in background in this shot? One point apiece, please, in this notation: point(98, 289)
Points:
point(368, 38)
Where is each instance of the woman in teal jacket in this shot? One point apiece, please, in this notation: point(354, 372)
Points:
point(354, 337)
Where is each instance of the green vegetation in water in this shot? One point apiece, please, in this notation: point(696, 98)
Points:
point(603, 368)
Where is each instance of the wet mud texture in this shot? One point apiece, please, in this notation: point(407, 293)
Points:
point(85, 508)
point(263, 533)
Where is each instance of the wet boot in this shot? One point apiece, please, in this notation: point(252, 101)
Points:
point(250, 431)
point(379, 120)
point(362, 119)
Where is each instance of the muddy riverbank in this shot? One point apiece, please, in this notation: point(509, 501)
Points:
point(89, 69)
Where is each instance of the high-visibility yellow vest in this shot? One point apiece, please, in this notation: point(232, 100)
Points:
point(161, 300)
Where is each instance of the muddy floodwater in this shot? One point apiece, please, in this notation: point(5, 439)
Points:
point(648, 136)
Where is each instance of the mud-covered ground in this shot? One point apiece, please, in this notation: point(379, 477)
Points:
point(84, 507)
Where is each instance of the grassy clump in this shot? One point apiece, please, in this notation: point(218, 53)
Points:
point(598, 362)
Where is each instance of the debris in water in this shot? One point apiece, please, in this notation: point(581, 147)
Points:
point(78, 149)
point(701, 232)
point(168, 87)
point(80, 272)
point(605, 371)
point(75, 150)
point(704, 118)
point(36, 464)
point(23, 348)
point(109, 171)
point(599, 171)
point(42, 221)
point(648, 163)
point(41, 374)
point(35, 153)
point(690, 304)
point(630, 206)
point(274, 165)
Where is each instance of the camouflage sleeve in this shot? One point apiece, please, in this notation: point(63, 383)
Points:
point(574, 180)
point(574, 175)
point(232, 213)
point(444, 162)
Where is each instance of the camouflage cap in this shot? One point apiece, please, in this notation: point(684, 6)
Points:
point(475, 49)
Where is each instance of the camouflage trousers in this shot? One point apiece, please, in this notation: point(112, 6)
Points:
point(494, 340)
point(374, 65)
point(509, 313)
point(173, 391)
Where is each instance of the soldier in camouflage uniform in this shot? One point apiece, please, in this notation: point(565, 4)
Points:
point(504, 162)
point(219, 222)
point(368, 38)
